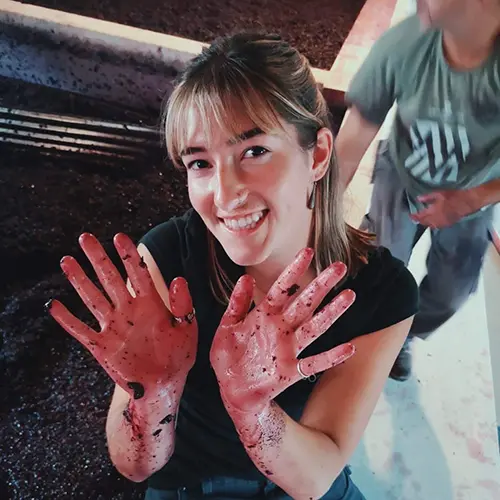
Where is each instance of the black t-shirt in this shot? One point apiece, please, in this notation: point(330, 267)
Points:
point(207, 444)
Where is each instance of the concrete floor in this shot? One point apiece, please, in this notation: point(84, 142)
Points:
point(435, 436)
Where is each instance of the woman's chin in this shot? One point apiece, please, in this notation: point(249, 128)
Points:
point(245, 258)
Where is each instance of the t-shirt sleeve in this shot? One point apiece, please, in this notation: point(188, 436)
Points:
point(386, 294)
point(375, 87)
point(401, 301)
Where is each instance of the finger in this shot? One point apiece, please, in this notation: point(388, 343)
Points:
point(88, 292)
point(76, 328)
point(425, 212)
point(287, 284)
point(325, 360)
point(240, 301)
point(181, 304)
point(429, 198)
point(324, 319)
point(106, 271)
point(426, 219)
point(137, 270)
point(309, 300)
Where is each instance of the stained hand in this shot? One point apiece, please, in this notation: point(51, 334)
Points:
point(141, 344)
point(445, 208)
point(254, 354)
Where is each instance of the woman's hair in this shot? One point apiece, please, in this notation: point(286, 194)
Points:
point(264, 78)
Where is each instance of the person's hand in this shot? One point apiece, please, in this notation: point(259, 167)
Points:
point(141, 345)
point(254, 354)
point(445, 208)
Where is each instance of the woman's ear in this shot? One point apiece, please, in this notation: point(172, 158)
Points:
point(323, 151)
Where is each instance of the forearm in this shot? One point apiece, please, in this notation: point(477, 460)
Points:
point(349, 155)
point(351, 144)
point(348, 166)
point(486, 194)
point(141, 432)
point(300, 460)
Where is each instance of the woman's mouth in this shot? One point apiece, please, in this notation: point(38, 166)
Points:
point(246, 222)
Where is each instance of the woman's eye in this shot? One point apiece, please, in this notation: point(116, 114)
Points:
point(197, 165)
point(254, 152)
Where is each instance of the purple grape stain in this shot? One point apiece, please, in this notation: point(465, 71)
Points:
point(167, 419)
point(138, 389)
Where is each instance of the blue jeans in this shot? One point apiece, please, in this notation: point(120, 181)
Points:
point(226, 488)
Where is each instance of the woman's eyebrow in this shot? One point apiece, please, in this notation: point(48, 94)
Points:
point(244, 136)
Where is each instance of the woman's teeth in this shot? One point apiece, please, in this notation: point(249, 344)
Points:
point(248, 222)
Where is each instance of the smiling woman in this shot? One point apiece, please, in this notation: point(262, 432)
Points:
point(228, 127)
point(246, 397)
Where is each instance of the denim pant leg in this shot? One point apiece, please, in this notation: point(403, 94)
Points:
point(238, 489)
point(351, 491)
point(389, 214)
point(217, 488)
point(342, 489)
point(154, 494)
point(454, 265)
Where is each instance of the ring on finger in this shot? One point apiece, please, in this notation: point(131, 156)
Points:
point(188, 317)
point(311, 378)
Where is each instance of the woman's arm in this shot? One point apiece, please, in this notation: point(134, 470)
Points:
point(146, 347)
point(141, 433)
point(305, 458)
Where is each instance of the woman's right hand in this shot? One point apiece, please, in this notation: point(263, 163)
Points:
point(143, 346)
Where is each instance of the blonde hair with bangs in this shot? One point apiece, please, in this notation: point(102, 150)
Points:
point(264, 78)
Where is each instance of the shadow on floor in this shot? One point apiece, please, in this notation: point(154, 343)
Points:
point(410, 464)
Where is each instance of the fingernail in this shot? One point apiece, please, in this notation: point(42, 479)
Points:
point(347, 355)
point(338, 268)
point(82, 237)
point(48, 305)
point(118, 238)
point(306, 252)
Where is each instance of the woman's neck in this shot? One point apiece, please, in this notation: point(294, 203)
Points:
point(266, 274)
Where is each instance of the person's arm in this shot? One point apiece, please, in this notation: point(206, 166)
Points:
point(352, 142)
point(446, 207)
point(304, 458)
point(487, 194)
point(141, 433)
point(371, 95)
point(254, 356)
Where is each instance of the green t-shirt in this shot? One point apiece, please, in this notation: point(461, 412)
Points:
point(446, 134)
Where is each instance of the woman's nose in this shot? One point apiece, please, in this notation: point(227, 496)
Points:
point(229, 190)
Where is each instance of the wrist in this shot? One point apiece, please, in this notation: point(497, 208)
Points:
point(475, 198)
point(249, 423)
point(485, 194)
point(159, 404)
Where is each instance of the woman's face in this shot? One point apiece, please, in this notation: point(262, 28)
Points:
point(251, 190)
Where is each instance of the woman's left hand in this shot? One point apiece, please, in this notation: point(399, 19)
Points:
point(254, 354)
